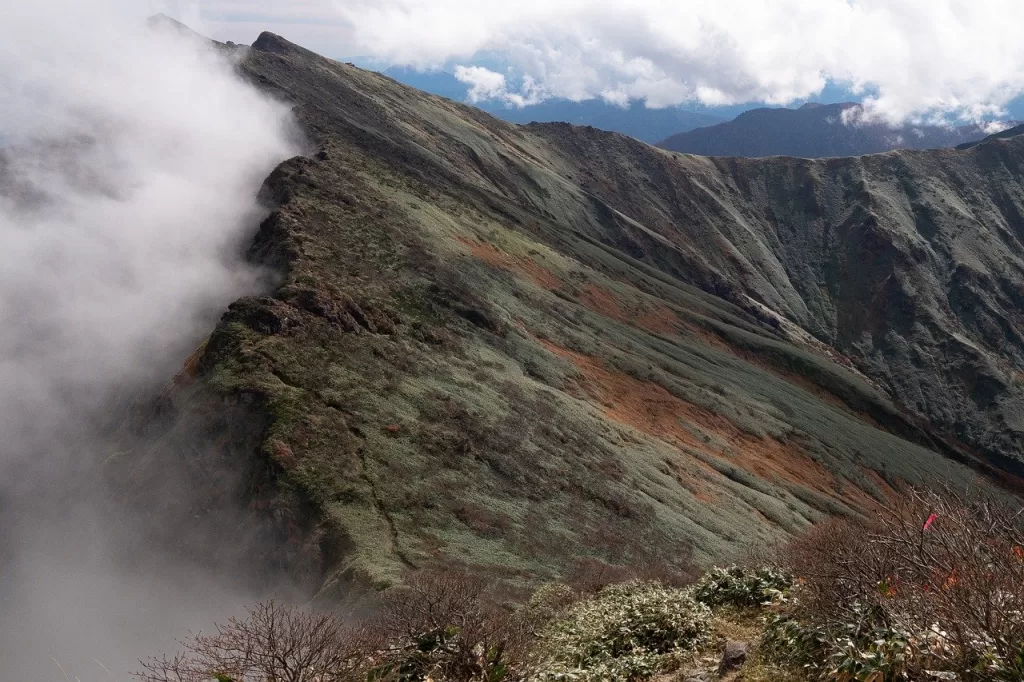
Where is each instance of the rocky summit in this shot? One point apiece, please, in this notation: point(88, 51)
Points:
point(507, 349)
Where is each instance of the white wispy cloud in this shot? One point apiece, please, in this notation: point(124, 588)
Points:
point(912, 59)
point(130, 160)
point(485, 84)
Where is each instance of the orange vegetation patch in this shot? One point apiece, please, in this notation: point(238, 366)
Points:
point(189, 369)
point(520, 265)
point(650, 408)
point(656, 316)
point(283, 455)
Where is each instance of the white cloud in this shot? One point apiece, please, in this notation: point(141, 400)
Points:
point(993, 127)
point(852, 116)
point(915, 59)
point(315, 24)
point(129, 166)
point(485, 84)
point(157, 151)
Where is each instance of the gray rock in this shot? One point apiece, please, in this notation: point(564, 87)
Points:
point(734, 656)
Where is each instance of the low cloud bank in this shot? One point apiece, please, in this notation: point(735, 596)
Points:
point(913, 61)
point(130, 158)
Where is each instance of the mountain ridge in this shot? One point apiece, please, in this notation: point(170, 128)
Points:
point(509, 348)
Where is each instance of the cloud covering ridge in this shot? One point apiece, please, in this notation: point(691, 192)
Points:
point(130, 160)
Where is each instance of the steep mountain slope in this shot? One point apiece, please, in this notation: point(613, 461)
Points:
point(509, 348)
point(636, 120)
point(812, 131)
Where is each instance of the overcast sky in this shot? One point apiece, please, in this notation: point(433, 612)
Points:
point(908, 59)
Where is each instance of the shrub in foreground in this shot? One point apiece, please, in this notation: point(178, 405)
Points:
point(274, 642)
point(930, 589)
point(624, 632)
point(742, 587)
point(441, 626)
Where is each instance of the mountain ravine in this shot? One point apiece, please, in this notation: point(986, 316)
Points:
point(507, 349)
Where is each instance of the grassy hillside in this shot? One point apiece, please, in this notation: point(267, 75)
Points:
point(507, 349)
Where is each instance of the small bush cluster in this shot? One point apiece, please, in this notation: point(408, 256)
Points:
point(930, 589)
point(857, 650)
point(549, 602)
point(439, 626)
point(742, 587)
point(624, 632)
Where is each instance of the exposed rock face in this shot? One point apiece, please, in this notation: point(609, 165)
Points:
point(506, 348)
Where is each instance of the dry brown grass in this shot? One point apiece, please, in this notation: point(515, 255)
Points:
point(521, 265)
point(651, 409)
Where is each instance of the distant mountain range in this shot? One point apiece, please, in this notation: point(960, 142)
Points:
point(813, 130)
point(637, 120)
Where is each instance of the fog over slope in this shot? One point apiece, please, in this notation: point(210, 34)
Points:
point(128, 176)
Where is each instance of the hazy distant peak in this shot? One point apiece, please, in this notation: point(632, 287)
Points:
point(171, 26)
point(813, 130)
point(163, 22)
